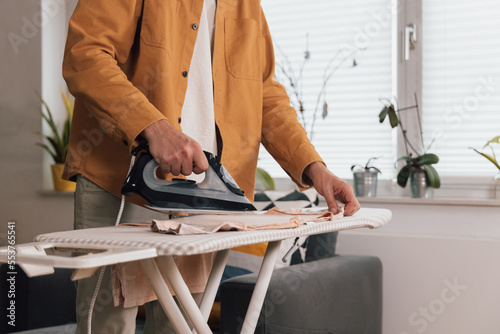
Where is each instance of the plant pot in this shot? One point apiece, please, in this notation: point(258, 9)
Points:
point(418, 185)
point(365, 183)
point(59, 183)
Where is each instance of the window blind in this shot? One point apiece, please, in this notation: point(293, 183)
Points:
point(359, 32)
point(461, 82)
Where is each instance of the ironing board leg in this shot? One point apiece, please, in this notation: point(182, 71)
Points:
point(213, 282)
point(163, 293)
point(259, 292)
point(169, 268)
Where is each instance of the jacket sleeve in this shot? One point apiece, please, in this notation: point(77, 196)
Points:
point(282, 134)
point(100, 37)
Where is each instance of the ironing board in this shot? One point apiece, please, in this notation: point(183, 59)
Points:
point(156, 252)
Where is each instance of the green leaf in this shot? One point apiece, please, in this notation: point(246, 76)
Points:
point(428, 159)
point(66, 129)
point(393, 117)
point(58, 149)
point(354, 166)
point(53, 143)
point(49, 119)
point(489, 157)
point(58, 140)
point(265, 179)
point(432, 177)
point(369, 160)
point(383, 114)
point(494, 140)
point(406, 158)
point(50, 122)
point(48, 150)
point(68, 103)
point(403, 175)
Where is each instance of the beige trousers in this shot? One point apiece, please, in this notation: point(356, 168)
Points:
point(95, 207)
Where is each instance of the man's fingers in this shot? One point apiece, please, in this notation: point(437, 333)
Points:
point(187, 167)
point(175, 152)
point(332, 189)
point(330, 200)
point(351, 207)
point(175, 169)
point(198, 170)
point(333, 206)
point(200, 162)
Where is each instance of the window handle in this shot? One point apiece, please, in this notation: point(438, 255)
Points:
point(410, 39)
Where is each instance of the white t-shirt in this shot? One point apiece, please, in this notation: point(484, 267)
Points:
point(198, 121)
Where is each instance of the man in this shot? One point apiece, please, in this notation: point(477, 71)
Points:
point(183, 76)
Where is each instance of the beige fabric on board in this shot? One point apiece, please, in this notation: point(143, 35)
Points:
point(301, 217)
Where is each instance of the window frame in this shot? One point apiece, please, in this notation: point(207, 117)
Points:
point(409, 82)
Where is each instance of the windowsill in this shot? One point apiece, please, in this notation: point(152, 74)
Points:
point(480, 191)
point(399, 199)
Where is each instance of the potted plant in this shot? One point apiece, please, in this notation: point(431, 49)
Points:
point(365, 179)
point(418, 168)
point(57, 142)
point(493, 160)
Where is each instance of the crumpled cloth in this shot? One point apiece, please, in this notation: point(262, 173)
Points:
point(301, 216)
point(131, 286)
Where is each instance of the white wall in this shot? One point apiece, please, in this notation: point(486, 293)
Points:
point(424, 250)
point(21, 196)
point(54, 32)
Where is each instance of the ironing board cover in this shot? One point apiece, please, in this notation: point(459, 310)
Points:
point(131, 236)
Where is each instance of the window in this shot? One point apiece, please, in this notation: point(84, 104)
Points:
point(454, 70)
point(461, 82)
point(358, 32)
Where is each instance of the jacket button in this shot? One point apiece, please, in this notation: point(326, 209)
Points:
point(125, 142)
point(185, 74)
point(179, 119)
point(194, 26)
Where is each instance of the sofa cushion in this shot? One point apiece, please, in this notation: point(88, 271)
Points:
point(341, 294)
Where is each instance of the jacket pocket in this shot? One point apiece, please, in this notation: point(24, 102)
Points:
point(157, 26)
point(242, 48)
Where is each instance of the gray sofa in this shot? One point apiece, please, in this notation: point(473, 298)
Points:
point(326, 294)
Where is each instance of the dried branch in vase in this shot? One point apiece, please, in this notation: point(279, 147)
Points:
point(294, 84)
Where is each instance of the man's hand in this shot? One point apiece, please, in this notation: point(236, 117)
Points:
point(175, 152)
point(332, 188)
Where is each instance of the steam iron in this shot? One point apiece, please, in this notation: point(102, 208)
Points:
point(217, 192)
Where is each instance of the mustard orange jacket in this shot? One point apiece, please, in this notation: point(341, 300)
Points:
point(127, 63)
